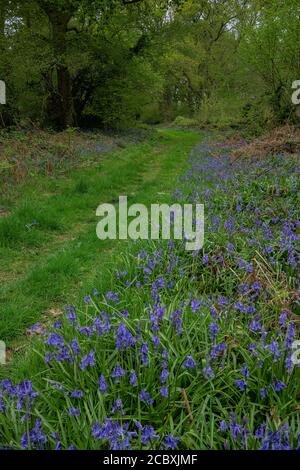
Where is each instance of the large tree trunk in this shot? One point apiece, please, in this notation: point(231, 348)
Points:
point(60, 106)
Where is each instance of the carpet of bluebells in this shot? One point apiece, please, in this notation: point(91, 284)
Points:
point(187, 350)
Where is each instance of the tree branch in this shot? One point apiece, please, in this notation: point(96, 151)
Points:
point(129, 2)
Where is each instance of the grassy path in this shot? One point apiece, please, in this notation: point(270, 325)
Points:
point(50, 255)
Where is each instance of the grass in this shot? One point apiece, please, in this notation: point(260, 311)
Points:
point(48, 246)
point(177, 349)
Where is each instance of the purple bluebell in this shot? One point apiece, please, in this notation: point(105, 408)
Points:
point(124, 339)
point(88, 360)
point(113, 296)
point(146, 397)
point(133, 378)
point(208, 372)
point(164, 376)
point(245, 371)
point(195, 305)
point(36, 438)
point(118, 373)
point(278, 385)
point(223, 426)
point(103, 385)
point(77, 394)
point(214, 330)
point(241, 384)
point(117, 407)
point(170, 442)
point(74, 412)
point(145, 354)
point(189, 363)
point(148, 434)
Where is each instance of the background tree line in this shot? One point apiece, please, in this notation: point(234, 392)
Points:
point(115, 62)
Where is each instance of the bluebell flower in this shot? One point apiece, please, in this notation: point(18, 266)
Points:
point(58, 445)
point(289, 365)
point(115, 433)
point(95, 292)
point(148, 434)
point(36, 438)
point(208, 372)
point(189, 363)
point(118, 407)
point(278, 385)
point(74, 412)
point(124, 339)
point(145, 397)
point(170, 442)
point(245, 371)
point(261, 431)
point(36, 328)
point(71, 316)
point(195, 305)
point(144, 353)
point(138, 424)
point(164, 376)
point(214, 330)
point(88, 360)
point(223, 426)
point(235, 429)
point(156, 342)
point(283, 317)
point(241, 384)
point(222, 301)
point(24, 393)
point(118, 373)
point(262, 393)
point(133, 378)
point(55, 340)
point(217, 350)
point(240, 307)
point(102, 325)
point(205, 259)
point(177, 320)
point(290, 336)
point(165, 353)
point(86, 330)
point(274, 349)
point(77, 394)
point(103, 386)
point(112, 296)
point(74, 345)
point(253, 349)
point(48, 358)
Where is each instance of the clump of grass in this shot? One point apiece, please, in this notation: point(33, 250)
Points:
point(81, 186)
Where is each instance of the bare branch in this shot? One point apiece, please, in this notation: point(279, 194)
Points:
point(129, 2)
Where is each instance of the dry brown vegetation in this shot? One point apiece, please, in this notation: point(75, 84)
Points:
point(283, 140)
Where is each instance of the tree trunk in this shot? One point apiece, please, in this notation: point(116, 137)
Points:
point(60, 106)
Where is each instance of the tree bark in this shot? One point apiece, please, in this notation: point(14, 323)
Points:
point(60, 106)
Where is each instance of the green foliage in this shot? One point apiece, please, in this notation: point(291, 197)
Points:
point(112, 64)
point(182, 121)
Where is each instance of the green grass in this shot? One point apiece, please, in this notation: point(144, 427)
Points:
point(50, 254)
point(214, 322)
